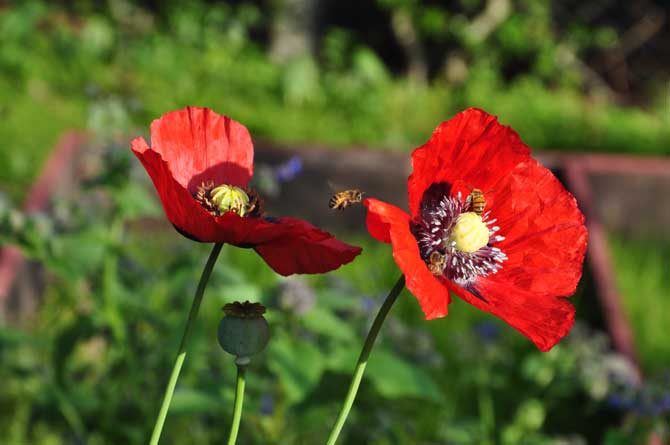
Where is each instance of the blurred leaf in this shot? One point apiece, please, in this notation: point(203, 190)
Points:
point(135, 201)
point(369, 67)
point(301, 81)
point(531, 414)
point(81, 328)
point(393, 377)
point(193, 401)
point(433, 21)
point(326, 323)
point(77, 254)
point(297, 363)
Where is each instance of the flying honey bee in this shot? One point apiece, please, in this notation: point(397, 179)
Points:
point(437, 262)
point(344, 199)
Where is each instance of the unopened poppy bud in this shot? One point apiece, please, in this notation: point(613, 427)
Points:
point(243, 331)
point(229, 198)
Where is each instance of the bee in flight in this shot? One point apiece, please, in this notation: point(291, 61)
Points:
point(437, 262)
point(344, 199)
point(477, 201)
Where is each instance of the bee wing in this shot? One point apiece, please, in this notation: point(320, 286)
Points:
point(335, 187)
point(339, 188)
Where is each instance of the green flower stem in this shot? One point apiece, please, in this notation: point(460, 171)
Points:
point(181, 353)
point(363, 359)
point(237, 409)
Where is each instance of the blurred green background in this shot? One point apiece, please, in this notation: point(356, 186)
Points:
point(89, 363)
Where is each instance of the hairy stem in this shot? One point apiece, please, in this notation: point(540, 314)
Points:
point(363, 359)
point(239, 401)
point(181, 353)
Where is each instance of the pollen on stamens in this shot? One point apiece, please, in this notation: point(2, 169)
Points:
point(436, 230)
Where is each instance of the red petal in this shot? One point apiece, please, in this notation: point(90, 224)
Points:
point(191, 218)
point(545, 236)
point(545, 241)
point(300, 247)
point(543, 320)
point(200, 145)
point(180, 207)
point(472, 147)
point(386, 221)
point(377, 220)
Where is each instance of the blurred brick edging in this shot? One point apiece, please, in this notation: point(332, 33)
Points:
point(56, 172)
point(576, 169)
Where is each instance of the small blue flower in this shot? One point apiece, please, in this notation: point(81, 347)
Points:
point(665, 403)
point(620, 401)
point(487, 331)
point(368, 304)
point(267, 404)
point(288, 170)
point(296, 295)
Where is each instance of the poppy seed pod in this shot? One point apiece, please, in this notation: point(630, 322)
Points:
point(243, 331)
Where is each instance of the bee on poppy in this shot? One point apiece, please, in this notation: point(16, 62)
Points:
point(477, 201)
point(437, 262)
point(516, 260)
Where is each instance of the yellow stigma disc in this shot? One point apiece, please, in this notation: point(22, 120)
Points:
point(470, 233)
point(229, 198)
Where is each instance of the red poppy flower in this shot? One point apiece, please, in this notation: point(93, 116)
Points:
point(201, 163)
point(490, 224)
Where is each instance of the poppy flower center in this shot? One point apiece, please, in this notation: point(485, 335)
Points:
point(229, 198)
point(469, 233)
point(221, 199)
point(456, 240)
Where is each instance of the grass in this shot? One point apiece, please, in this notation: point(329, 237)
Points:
point(643, 277)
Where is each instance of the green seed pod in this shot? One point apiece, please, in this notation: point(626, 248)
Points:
point(243, 331)
point(229, 198)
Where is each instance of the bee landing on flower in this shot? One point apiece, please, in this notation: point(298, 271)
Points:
point(514, 252)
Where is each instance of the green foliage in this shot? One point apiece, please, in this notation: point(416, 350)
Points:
point(644, 281)
point(109, 69)
point(92, 365)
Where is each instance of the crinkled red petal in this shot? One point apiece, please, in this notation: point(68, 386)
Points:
point(472, 147)
point(387, 222)
point(191, 218)
point(545, 236)
point(303, 248)
point(544, 320)
point(200, 145)
point(545, 241)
